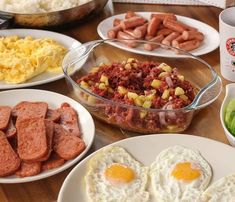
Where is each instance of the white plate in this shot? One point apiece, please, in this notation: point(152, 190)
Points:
point(210, 43)
point(145, 149)
point(54, 100)
point(45, 77)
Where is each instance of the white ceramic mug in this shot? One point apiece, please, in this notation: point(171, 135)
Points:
point(227, 43)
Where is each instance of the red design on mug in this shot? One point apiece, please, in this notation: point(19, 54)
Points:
point(230, 46)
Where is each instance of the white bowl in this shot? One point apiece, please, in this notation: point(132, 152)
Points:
point(230, 93)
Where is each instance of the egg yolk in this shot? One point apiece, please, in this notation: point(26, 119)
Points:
point(118, 173)
point(185, 171)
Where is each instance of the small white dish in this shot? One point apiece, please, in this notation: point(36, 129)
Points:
point(145, 149)
point(54, 100)
point(45, 77)
point(210, 43)
point(229, 94)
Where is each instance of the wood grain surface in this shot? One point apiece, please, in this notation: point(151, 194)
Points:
point(206, 123)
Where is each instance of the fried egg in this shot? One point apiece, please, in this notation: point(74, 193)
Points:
point(222, 190)
point(114, 175)
point(179, 174)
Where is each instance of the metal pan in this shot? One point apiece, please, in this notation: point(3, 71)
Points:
point(52, 18)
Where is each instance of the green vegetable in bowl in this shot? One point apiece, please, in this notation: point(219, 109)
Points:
point(230, 116)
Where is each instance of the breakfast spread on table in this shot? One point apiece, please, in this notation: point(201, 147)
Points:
point(161, 28)
point(129, 80)
point(35, 138)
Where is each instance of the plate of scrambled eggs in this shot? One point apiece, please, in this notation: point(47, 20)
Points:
point(31, 57)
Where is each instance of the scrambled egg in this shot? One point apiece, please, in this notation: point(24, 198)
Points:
point(24, 58)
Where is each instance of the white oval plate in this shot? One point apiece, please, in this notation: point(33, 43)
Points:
point(54, 100)
point(45, 77)
point(145, 149)
point(210, 43)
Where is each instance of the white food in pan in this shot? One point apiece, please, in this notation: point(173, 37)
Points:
point(38, 6)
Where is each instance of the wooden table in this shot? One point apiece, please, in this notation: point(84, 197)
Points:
point(206, 123)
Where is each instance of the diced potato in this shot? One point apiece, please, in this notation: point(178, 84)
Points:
point(122, 90)
point(132, 95)
point(163, 74)
point(184, 97)
point(147, 104)
point(94, 69)
point(143, 114)
point(129, 60)
point(104, 79)
point(134, 65)
point(138, 101)
point(150, 97)
point(102, 86)
point(84, 84)
point(179, 91)
point(128, 66)
point(165, 67)
point(181, 77)
point(156, 83)
point(166, 94)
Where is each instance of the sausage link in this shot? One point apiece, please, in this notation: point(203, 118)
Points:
point(112, 33)
point(129, 43)
point(132, 22)
point(140, 31)
point(116, 22)
point(167, 40)
point(174, 25)
point(189, 35)
point(153, 26)
point(152, 46)
point(189, 45)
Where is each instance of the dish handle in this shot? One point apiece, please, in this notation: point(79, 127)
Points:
point(5, 21)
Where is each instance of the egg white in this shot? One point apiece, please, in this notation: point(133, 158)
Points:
point(101, 190)
point(167, 188)
point(222, 190)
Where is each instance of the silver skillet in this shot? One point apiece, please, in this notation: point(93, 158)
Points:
point(52, 18)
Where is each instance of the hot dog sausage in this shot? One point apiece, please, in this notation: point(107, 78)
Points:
point(177, 41)
point(164, 32)
point(162, 16)
point(153, 26)
point(140, 31)
point(189, 45)
point(129, 43)
point(189, 35)
point(132, 22)
point(167, 40)
point(112, 33)
point(130, 14)
point(116, 22)
point(151, 46)
point(173, 25)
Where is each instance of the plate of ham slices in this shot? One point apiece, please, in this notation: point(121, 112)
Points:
point(42, 133)
point(167, 29)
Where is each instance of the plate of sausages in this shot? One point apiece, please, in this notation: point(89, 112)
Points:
point(42, 133)
point(167, 29)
